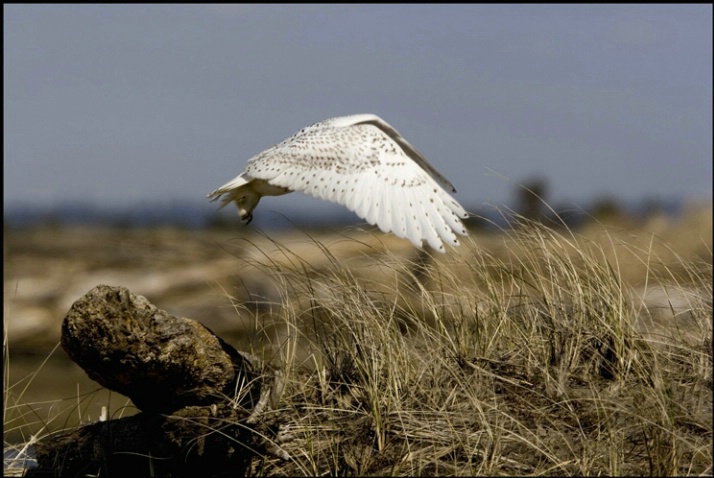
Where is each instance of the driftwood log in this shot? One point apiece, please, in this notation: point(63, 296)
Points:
point(203, 404)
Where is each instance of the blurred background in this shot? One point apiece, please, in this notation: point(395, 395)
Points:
point(141, 110)
point(120, 119)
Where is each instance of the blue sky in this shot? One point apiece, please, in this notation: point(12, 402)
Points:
point(117, 105)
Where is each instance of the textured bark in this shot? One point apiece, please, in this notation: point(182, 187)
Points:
point(202, 401)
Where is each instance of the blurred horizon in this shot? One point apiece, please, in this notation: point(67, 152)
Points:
point(282, 214)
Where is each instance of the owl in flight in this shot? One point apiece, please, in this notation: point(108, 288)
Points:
point(362, 163)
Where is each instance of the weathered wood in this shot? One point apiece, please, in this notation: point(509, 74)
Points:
point(203, 403)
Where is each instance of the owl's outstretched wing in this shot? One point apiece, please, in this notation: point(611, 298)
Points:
point(363, 163)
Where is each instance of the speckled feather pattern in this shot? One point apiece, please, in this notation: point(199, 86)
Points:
point(363, 163)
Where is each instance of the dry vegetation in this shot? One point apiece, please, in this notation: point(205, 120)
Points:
point(535, 351)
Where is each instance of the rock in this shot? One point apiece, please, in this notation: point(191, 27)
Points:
point(160, 361)
point(202, 401)
point(193, 441)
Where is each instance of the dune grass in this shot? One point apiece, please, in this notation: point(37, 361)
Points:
point(541, 361)
point(536, 355)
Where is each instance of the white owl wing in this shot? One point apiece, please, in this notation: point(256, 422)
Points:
point(364, 164)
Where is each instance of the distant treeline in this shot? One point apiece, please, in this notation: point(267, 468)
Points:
point(193, 216)
point(531, 199)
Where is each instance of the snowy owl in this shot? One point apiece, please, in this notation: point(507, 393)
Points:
point(362, 163)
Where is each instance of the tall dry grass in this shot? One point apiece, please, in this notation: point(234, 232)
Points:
point(533, 351)
point(542, 360)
